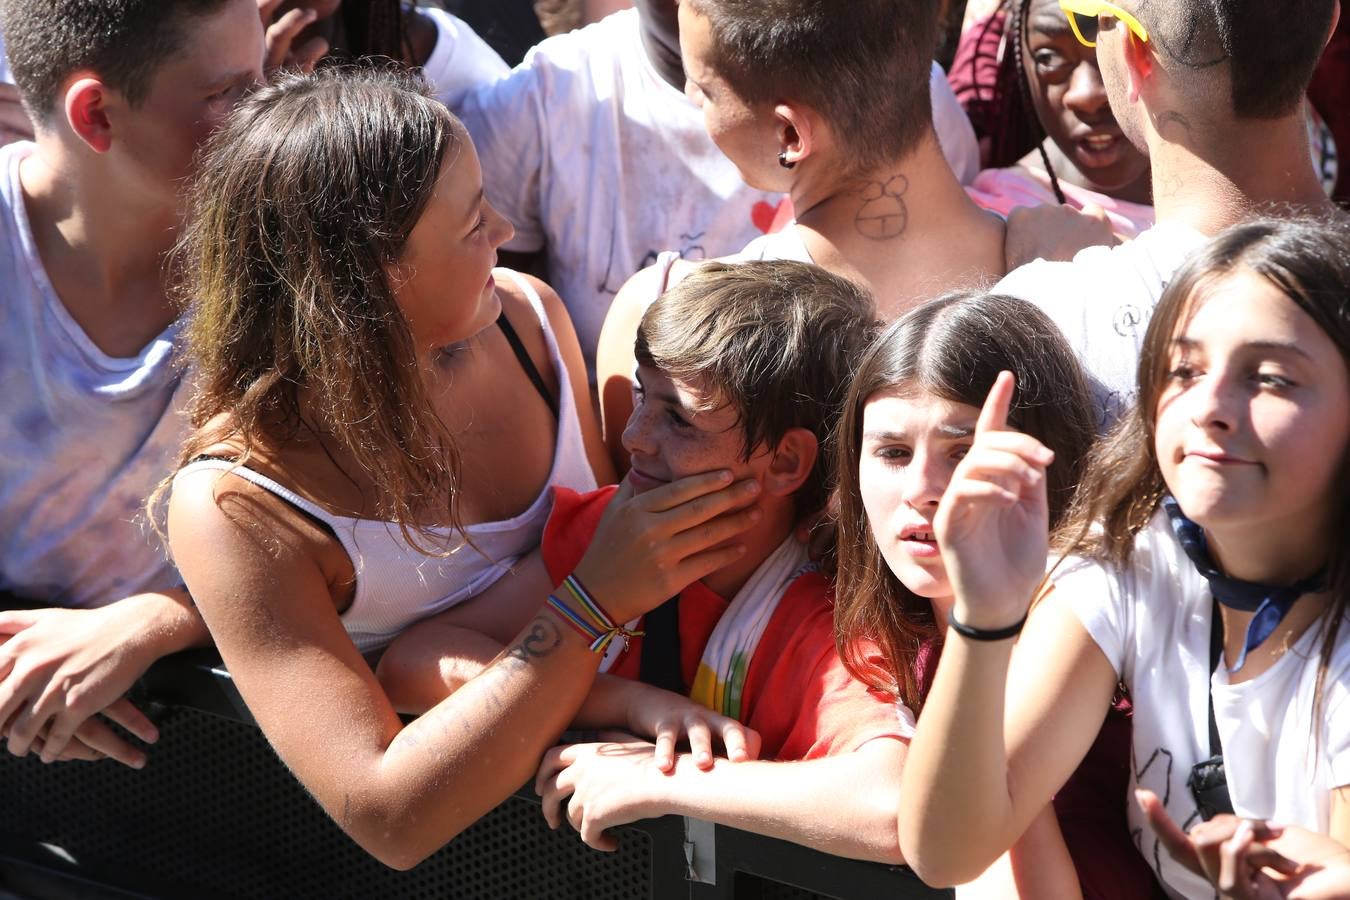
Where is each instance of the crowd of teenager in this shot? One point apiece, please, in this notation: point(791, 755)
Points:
point(946, 468)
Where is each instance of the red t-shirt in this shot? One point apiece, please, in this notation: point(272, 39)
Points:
point(798, 695)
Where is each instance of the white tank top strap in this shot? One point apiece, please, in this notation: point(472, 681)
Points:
point(550, 339)
point(232, 468)
point(536, 302)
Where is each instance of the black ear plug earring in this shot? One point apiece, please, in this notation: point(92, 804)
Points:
point(783, 160)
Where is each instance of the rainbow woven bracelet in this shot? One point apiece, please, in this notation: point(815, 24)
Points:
point(593, 623)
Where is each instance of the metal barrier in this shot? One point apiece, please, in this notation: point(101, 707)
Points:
point(216, 814)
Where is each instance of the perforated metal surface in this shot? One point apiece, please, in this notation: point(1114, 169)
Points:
point(215, 814)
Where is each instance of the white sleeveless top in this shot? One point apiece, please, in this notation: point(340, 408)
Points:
point(397, 586)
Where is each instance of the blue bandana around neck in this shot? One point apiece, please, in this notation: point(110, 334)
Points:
point(1270, 602)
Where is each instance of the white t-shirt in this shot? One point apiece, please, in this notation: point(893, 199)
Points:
point(460, 61)
point(593, 156)
point(84, 437)
point(1153, 624)
point(1103, 300)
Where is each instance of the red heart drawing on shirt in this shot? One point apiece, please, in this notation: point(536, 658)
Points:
point(771, 218)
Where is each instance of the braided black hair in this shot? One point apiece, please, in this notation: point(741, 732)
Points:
point(375, 28)
point(1017, 30)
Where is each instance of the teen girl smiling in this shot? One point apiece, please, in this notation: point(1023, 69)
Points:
point(380, 417)
point(1213, 517)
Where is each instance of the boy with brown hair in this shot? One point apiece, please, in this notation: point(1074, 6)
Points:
point(741, 368)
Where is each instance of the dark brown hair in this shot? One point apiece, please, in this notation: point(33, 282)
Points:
point(1308, 260)
point(777, 340)
point(1270, 48)
point(952, 348)
point(123, 41)
point(864, 65)
point(306, 198)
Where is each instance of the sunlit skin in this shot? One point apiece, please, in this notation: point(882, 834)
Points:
point(912, 443)
point(676, 431)
point(1086, 145)
point(189, 95)
point(1252, 427)
point(738, 129)
point(443, 282)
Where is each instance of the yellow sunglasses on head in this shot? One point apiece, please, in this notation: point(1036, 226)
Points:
point(1082, 16)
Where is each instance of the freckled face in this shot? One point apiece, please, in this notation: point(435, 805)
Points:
point(911, 445)
point(1253, 422)
point(675, 431)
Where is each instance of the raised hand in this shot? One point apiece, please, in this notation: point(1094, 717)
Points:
point(283, 32)
point(653, 545)
point(992, 524)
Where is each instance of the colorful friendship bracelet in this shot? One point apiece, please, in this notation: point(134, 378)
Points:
point(603, 632)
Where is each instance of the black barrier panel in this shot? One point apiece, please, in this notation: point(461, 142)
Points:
point(216, 814)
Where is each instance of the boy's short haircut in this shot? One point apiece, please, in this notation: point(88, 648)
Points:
point(776, 340)
point(1271, 47)
point(123, 42)
point(864, 65)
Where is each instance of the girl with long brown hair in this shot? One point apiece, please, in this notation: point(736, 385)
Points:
point(380, 415)
point(906, 425)
point(1208, 574)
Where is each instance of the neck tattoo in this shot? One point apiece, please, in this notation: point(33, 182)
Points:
point(883, 214)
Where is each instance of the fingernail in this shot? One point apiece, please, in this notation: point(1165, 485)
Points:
point(752, 487)
point(724, 475)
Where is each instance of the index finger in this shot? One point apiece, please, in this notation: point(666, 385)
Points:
point(994, 414)
point(554, 761)
point(1176, 841)
point(677, 493)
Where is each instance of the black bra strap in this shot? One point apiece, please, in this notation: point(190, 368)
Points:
point(1215, 654)
point(523, 357)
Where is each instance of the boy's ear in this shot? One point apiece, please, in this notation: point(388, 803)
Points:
point(86, 111)
point(792, 462)
point(1139, 63)
point(796, 131)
